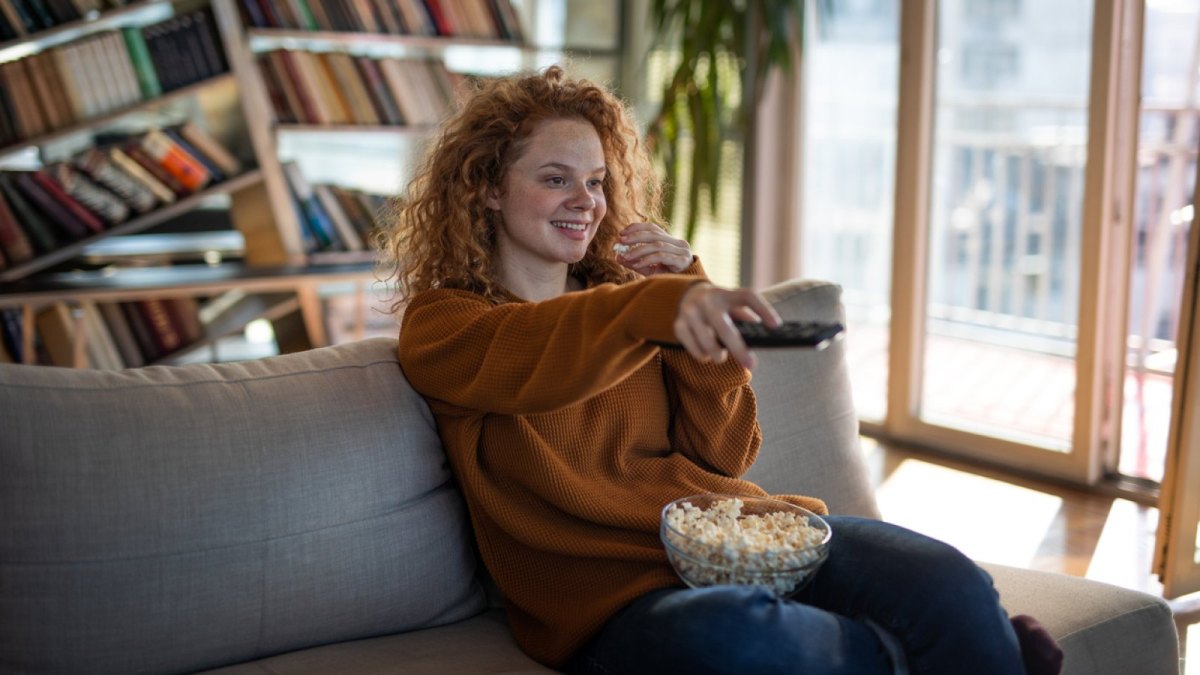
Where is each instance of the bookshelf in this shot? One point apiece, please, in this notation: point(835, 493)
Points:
point(352, 145)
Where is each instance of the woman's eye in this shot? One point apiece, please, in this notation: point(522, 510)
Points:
point(555, 180)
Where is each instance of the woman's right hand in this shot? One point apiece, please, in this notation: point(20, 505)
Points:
point(704, 322)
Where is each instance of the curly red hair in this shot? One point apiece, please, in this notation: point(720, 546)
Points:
point(442, 235)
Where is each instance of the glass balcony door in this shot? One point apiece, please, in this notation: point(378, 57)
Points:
point(1007, 141)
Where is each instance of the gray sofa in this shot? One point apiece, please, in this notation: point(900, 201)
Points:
point(296, 515)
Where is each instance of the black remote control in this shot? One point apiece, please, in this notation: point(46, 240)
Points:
point(806, 334)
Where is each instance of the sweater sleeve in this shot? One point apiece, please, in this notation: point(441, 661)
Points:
point(522, 358)
point(714, 415)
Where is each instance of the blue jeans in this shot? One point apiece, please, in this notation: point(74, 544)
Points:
point(887, 600)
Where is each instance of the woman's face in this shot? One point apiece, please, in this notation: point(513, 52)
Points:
point(553, 197)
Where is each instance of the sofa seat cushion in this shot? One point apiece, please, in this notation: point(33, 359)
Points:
point(169, 519)
point(479, 645)
point(1103, 629)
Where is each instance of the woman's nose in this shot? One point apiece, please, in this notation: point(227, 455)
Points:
point(582, 199)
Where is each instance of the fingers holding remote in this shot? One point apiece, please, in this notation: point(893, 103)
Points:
point(704, 324)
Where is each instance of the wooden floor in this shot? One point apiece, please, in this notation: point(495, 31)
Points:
point(1023, 523)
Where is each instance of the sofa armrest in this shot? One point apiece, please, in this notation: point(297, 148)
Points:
point(809, 424)
point(1103, 629)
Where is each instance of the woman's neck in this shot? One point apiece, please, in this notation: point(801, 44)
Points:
point(535, 287)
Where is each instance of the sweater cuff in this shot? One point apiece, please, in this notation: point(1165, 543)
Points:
point(695, 269)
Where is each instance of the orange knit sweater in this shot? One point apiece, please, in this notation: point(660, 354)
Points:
point(568, 430)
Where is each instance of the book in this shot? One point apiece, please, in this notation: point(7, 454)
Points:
point(13, 240)
point(157, 317)
point(142, 334)
point(12, 333)
point(416, 17)
point(73, 206)
point(49, 205)
point(122, 334)
point(13, 19)
point(385, 106)
point(206, 144)
point(190, 172)
point(44, 237)
point(101, 169)
point(129, 90)
point(402, 92)
point(143, 66)
point(210, 43)
point(91, 196)
point(361, 216)
point(99, 345)
point(98, 91)
point(302, 13)
point(350, 82)
point(320, 16)
point(309, 209)
point(328, 105)
point(286, 64)
point(252, 14)
point(388, 16)
point(331, 95)
point(151, 166)
point(215, 173)
point(508, 20)
point(55, 108)
point(284, 104)
point(8, 123)
point(26, 114)
point(134, 169)
point(106, 90)
point(61, 11)
point(185, 314)
point(364, 12)
point(349, 237)
point(66, 62)
point(59, 329)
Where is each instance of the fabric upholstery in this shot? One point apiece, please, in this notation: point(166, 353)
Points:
point(1102, 628)
point(481, 645)
point(809, 424)
point(174, 518)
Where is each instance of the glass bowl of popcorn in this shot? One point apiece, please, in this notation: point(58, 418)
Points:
point(716, 539)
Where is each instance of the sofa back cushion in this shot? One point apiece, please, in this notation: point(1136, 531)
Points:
point(810, 427)
point(178, 518)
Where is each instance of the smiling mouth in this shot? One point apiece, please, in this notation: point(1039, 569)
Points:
point(564, 225)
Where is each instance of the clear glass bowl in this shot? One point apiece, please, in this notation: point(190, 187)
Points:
point(705, 563)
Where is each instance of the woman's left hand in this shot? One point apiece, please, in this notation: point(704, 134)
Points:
point(652, 250)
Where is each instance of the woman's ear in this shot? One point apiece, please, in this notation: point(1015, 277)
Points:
point(492, 201)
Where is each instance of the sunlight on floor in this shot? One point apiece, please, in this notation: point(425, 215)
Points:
point(1125, 553)
point(1192, 665)
point(987, 519)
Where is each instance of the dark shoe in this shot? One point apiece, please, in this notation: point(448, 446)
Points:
point(1039, 650)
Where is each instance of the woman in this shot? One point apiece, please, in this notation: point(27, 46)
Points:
point(569, 425)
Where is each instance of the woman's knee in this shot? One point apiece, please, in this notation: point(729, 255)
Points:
point(900, 557)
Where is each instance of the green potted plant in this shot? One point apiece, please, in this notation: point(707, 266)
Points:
point(724, 49)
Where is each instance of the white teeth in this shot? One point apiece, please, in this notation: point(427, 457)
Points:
point(578, 227)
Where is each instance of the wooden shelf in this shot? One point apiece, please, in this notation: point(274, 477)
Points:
point(159, 282)
point(72, 30)
point(108, 118)
point(420, 130)
point(139, 224)
point(427, 44)
point(269, 306)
